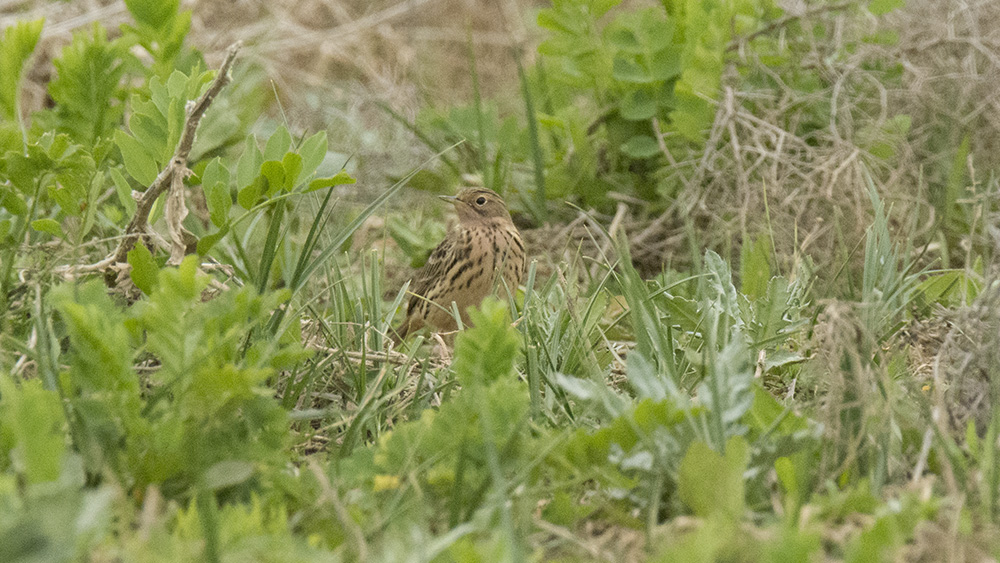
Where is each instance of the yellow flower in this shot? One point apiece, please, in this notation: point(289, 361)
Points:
point(386, 483)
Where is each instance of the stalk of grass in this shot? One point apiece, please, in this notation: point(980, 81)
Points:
point(270, 249)
point(530, 355)
point(539, 210)
point(208, 515)
point(477, 101)
point(20, 231)
point(422, 136)
point(308, 266)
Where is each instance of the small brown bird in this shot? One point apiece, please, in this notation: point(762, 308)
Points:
point(481, 255)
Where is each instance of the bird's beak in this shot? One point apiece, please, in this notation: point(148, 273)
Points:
point(449, 198)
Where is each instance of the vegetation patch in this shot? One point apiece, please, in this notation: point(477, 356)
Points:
point(758, 320)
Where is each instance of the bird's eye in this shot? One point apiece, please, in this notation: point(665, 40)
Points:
point(480, 200)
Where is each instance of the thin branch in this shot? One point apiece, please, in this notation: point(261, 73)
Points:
point(782, 22)
point(177, 167)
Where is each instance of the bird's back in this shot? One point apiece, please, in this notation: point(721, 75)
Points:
point(471, 262)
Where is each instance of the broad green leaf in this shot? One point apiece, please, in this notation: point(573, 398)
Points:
point(16, 46)
point(641, 146)
point(292, 165)
point(274, 173)
point(144, 270)
point(25, 171)
point(153, 13)
point(138, 162)
point(313, 152)
point(50, 226)
point(248, 166)
point(4, 230)
point(227, 474)
point(638, 105)
point(278, 144)
point(33, 417)
point(627, 70)
point(123, 190)
point(665, 64)
point(600, 7)
point(12, 202)
point(219, 201)
point(755, 268)
point(785, 470)
point(150, 129)
point(486, 352)
point(177, 85)
point(248, 196)
point(206, 242)
point(624, 39)
point(712, 484)
point(882, 7)
point(338, 179)
point(215, 183)
point(214, 173)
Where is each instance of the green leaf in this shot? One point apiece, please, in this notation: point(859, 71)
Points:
point(292, 165)
point(215, 184)
point(665, 64)
point(712, 484)
point(274, 172)
point(227, 474)
point(50, 226)
point(641, 146)
point(5, 226)
point(638, 105)
point(206, 242)
point(86, 89)
point(12, 202)
point(785, 470)
point(215, 172)
point(248, 166)
point(24, 172)
point(144, 270)
point(219, 201)
point(123, 190)
point(627, 70)
point(138, 162)
point(755, 268)
point(153, 13)
point(313, 152)
point(882, 7)
point(177, 85)
point(338, 179)
point(600, 7)
point(624, 39)
point(249, 195)
point(16, 46)
point(278, 144)
point(33, 417)
point(486, 352)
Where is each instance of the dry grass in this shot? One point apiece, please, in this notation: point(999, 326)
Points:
point(767, 167)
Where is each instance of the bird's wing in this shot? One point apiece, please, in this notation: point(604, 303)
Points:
point(436, 267)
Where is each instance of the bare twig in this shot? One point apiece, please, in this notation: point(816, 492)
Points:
point(176, 169)
point(782, 22)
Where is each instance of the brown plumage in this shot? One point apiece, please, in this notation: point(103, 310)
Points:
point(480, 256)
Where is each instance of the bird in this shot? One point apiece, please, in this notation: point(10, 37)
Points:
point(482, 254)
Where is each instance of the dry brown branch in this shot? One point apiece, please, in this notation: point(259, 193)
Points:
point(176, 170)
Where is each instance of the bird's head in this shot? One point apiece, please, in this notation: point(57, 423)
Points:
point(478, 204)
